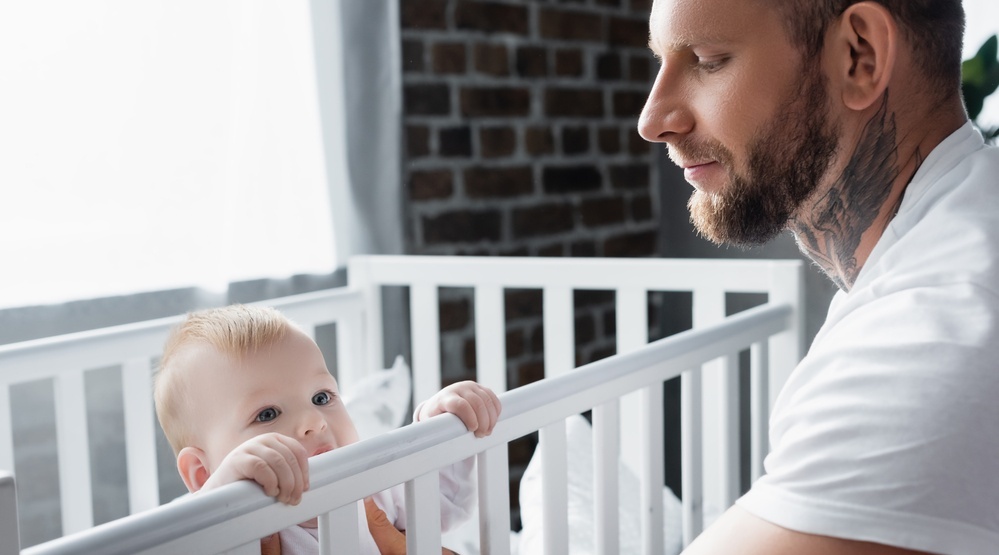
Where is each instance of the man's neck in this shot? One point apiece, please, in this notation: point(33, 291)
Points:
point(840, 224)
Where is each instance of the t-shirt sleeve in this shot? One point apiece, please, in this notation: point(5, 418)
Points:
point(886, 432)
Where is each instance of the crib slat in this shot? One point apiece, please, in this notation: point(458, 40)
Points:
point(632, 318)
point(653, 470)
point(350, 369)
point(606, 437)
point(140, 435)
point(759, 418)
point(9, 534)
point(494, 501)
point(691, 455)
point(6, 430)
point(425, 326)
point(554, 489)
point(74, 452)
point(423, 531)
point(727, 416)
point(490, 337)
point(338, 531)
point(560, 348)
point(720, 398)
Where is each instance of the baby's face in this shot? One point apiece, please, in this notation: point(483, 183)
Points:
point(284, 388)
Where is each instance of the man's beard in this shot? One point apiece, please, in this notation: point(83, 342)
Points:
point(786, 162)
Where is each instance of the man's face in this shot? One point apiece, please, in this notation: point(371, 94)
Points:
point(283, 388)
point(740, 112)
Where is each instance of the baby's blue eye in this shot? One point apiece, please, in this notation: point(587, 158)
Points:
point(322, 398)
point(267, 414)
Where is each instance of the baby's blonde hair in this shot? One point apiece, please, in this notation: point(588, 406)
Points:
point(233, 331)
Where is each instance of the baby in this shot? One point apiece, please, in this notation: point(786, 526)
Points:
point(243, 394)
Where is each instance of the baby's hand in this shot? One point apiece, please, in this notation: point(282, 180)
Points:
point(477, 406)
point(277, 462)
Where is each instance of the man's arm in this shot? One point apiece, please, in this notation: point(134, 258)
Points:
point(739, 531)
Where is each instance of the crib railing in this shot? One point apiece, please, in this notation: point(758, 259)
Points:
point(710, 438)
point(233, 518)
point(66, 359)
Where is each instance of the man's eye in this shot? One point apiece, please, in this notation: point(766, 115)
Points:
point(322, 398)
point(267, 415)
point(711, 65)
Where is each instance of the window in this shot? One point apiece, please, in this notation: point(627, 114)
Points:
point(159, 144)
point(982, 18)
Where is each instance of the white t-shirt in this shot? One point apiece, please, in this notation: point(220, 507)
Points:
point(457, 501)
point(888, 430)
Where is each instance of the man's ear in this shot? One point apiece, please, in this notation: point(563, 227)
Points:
point(865, 50)
point(193, 467)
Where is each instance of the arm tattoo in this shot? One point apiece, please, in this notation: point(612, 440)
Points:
point(838, 219)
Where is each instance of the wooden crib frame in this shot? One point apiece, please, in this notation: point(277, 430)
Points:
point(233, 518)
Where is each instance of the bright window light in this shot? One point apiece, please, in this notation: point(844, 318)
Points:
point(982, 22)
point(157, 144)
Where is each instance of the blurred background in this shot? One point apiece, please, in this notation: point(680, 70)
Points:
point(157, 157)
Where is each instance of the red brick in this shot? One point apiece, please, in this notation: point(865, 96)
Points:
point(629, 104)
point(569, 62)
point(449, 58)
point(609, 139)
point(570, 25)
point(598, 212)
point(462, 226)
point(571, 179)
point(641, 208)
point(609, 66)
point(412, 56)
point(492, 59)
point(454, 315)
point(631, 176)
point(522, 303)
point(495, 101)
point(417, 141)
point(423, 14)
point(545, 219)
point(497, 142)
point(430, 184)
point(539, 140)
point(636, 244)
point(640, 68)
point(426, 100)
point(575, 140)
point(532, 61)
point(491, 17)
point(633, 32)
point(494, 182)
point(551, 251)
point(561, 102)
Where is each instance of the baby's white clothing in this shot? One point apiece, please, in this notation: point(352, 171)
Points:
point(457, 501)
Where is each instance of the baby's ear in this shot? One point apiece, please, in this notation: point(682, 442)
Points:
point(193, 467)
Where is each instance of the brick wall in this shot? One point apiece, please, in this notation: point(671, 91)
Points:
point(520, 132)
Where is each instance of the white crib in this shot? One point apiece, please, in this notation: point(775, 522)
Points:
point(624, 391)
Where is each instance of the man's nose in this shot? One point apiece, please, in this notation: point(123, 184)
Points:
point(665, 114)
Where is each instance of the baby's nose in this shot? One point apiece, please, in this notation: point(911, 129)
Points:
point(312, 422)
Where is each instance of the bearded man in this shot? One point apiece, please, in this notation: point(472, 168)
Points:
point(842, 121)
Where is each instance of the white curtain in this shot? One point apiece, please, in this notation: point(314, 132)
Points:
point(157, 144)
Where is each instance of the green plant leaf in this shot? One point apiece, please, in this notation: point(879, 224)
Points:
point(980, 76)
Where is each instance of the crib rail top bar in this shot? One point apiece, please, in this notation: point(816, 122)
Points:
point(524, 410)
point(579, 273)
point(49, 356)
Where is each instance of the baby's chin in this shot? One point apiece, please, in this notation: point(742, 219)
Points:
point(311, 523)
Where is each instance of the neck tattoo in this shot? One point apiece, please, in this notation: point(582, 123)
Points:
point(830, 230)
